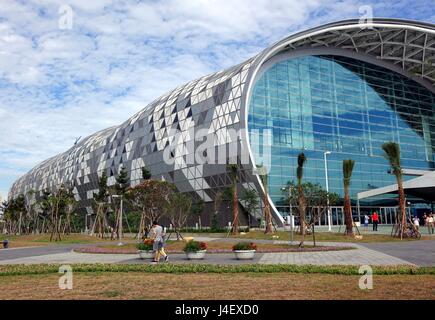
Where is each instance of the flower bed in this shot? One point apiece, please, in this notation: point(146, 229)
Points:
point(245, 246)
point(146, 245)
point(194, 246)
point(103, 250)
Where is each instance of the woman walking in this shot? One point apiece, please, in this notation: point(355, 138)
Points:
point(157, 233)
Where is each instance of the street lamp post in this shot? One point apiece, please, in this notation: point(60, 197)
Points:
point(120, 218)
point(327, 188)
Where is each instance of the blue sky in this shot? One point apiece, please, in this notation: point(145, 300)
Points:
point(59, 84)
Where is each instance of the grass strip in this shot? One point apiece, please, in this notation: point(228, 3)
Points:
point(12, 270)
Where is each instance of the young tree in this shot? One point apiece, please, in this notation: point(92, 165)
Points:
point(102, 194)
point(233, 170)
point(30, 214)
point(217, 204)
point(301, 197)
point(122, 181)
point(19, 207)
point(347, 174)
point(250, 197)
point(70, 204)
point(146, 174)
point(4, 209)
point(197, 209)
point(45, 210)
point(101, 206)
point(9, 215)
point(149, 198)
point(178, 209)
point(392, 154)
point(317, 200)
point(57, 202)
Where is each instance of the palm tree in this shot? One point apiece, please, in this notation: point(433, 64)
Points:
point(347, 173)
point(392, 154)
point(266, 211)
point(233, 171)
point(301, 197)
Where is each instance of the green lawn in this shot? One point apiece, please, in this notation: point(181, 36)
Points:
point(275, 282)
point(324, 236)
point(16, 241)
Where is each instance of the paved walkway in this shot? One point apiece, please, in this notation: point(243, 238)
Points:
point(421, 253)
point(382, 229)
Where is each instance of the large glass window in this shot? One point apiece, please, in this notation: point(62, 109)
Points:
point(329, 103)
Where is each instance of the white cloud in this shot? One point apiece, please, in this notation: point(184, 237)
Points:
point(56, 85)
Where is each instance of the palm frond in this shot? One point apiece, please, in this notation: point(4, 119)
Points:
point(233, 170)
point(300, 170)
point(392, 154)
point(301, 159)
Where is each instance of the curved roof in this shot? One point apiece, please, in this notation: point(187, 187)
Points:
point(409, 45)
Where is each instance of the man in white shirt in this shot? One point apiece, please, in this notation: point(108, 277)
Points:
point(430, 223)
point(157, 234)
point(416, 222)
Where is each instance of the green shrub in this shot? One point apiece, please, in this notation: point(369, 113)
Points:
point(213, 229)
point(11, 270)
point(194, 246)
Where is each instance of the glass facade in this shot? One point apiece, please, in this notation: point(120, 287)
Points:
point(349, 107)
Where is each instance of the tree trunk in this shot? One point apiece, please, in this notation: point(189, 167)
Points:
point(402, 206)
point(235, 211)
point(19, 223)
point(141, 226)
point(348, 212)
point(302, 208)
point(267, 215)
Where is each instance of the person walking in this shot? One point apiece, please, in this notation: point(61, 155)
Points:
point(157, 234)
point(375, 221)
point(366, 223)
point(430, 223)
point(416, 223)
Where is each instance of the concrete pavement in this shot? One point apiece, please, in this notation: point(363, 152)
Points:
point(420, 253)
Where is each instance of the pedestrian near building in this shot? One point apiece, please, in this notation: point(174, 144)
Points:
point(430, 223)
point(157, 234)
point(366, 222)
point(375, 221)
point(416, 223)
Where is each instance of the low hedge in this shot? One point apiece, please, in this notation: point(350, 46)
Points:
point(207, 230)
point(10, 270)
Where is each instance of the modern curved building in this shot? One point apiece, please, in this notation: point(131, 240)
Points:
point(335, 92)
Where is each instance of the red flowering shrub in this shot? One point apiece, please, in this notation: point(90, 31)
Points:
point(244, 246)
